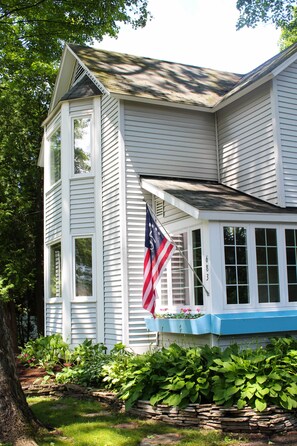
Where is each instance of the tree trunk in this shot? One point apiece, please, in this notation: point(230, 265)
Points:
point(17, 422)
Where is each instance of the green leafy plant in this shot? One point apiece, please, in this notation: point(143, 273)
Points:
point(45, 351)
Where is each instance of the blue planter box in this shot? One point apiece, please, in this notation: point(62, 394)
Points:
point(202, 325)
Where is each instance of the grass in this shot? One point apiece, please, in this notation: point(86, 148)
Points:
point(89, 423)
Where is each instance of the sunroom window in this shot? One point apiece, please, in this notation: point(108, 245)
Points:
point(179, 284)
point(236, 265)
point(55, 271)
point(55, 156)
point(83, 267)
point(82, 145)
point(267, 265)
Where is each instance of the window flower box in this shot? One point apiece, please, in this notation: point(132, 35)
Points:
point(201, 325)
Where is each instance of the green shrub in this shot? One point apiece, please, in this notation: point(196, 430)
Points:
point(45, 351)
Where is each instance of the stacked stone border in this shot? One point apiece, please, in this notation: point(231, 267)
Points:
point(204, 416)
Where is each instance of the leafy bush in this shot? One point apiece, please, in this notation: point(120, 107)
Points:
point(45, 351)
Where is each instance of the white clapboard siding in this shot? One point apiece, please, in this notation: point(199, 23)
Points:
point(53, 213)
point(53, 322)
point(287, 110)
point(80, 107)
point(83, 322)
point(111, 224)
point(82, 204)
point(165, 141)
point(246, 145)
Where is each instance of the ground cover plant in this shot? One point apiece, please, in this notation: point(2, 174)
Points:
point(179, 376)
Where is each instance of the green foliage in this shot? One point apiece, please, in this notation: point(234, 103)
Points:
point(178, 376)
point(252, 12)
point(45, 351)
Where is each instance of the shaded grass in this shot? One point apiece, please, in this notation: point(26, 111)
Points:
point(89, 423)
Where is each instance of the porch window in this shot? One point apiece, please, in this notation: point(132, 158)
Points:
point(236, 265)
point(55, 271)
point(267, 265)
point(82, 145)
point(55, 156)
point(83, 267)
point(291, 254)
point(179, 284)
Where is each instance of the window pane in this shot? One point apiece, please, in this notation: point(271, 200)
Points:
point(55, 271)
point(179, 271)
point(236, 268)
point(83, 267)
point(291, 251)
point(267, 265)
point(197, 265)
point(82, 145)
point(55, 157)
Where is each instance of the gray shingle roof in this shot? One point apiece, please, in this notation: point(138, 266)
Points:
point(212, 196)
point(146, 78)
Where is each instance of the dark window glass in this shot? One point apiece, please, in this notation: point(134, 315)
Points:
point(291, 254)
point(267, 265)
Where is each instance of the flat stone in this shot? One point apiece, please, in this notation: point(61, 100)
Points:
point(163, 439)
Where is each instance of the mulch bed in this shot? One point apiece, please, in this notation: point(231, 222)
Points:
point(30, 376)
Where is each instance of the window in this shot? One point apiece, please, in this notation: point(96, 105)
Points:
point(55, 156)
point(267, 265)
point(83, 267)
point(291, 254)
point(179, 284)
point(82, 145)
point(55, 271)
point(236, 265)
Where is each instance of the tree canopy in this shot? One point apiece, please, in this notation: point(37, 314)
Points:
point(32, 34)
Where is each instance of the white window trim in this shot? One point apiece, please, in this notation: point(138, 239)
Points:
point(72, 117)
point(51, 129)
point(178, 229)
point(50, 299)
point(252, 268)
point(84, 298)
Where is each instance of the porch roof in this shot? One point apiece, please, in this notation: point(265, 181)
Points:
point(204, 199)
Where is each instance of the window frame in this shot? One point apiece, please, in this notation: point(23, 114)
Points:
point(93, 296)
point(252, 266)
point(51, 298)
point(170, 306)
point(57, 126)
point(73, 117)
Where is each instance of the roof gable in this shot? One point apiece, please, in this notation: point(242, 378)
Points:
point(145, 79)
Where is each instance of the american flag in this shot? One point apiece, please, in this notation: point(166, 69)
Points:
point(158, 251)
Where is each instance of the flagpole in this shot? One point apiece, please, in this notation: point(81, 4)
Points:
point(179, 250)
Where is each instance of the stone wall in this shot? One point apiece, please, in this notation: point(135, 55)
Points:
point(203, 416)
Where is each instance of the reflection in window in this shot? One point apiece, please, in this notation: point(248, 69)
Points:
point(179, 271)
point(267, 265)
point(236, 265)
point(291, 251)
point(82, 145)
point(55, 271)
point(83, 267)
point(197, 266)
point(55, 157)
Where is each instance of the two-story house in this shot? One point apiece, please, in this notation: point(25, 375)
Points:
point(213, 153)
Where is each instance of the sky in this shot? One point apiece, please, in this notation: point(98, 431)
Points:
point(198, 32)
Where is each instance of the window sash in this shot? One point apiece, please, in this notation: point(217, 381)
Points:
point(83, 266)
point(55, 156)
point(82, 145)
point(55, 271)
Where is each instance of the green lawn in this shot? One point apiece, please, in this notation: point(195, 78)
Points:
point(89, 423)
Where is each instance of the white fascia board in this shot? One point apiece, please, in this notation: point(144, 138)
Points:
point(127, 97)
point(248, 217)
point(63, 77)
point(242, 92)
point(285, 65)
point(185, 207)
point(89, 73)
